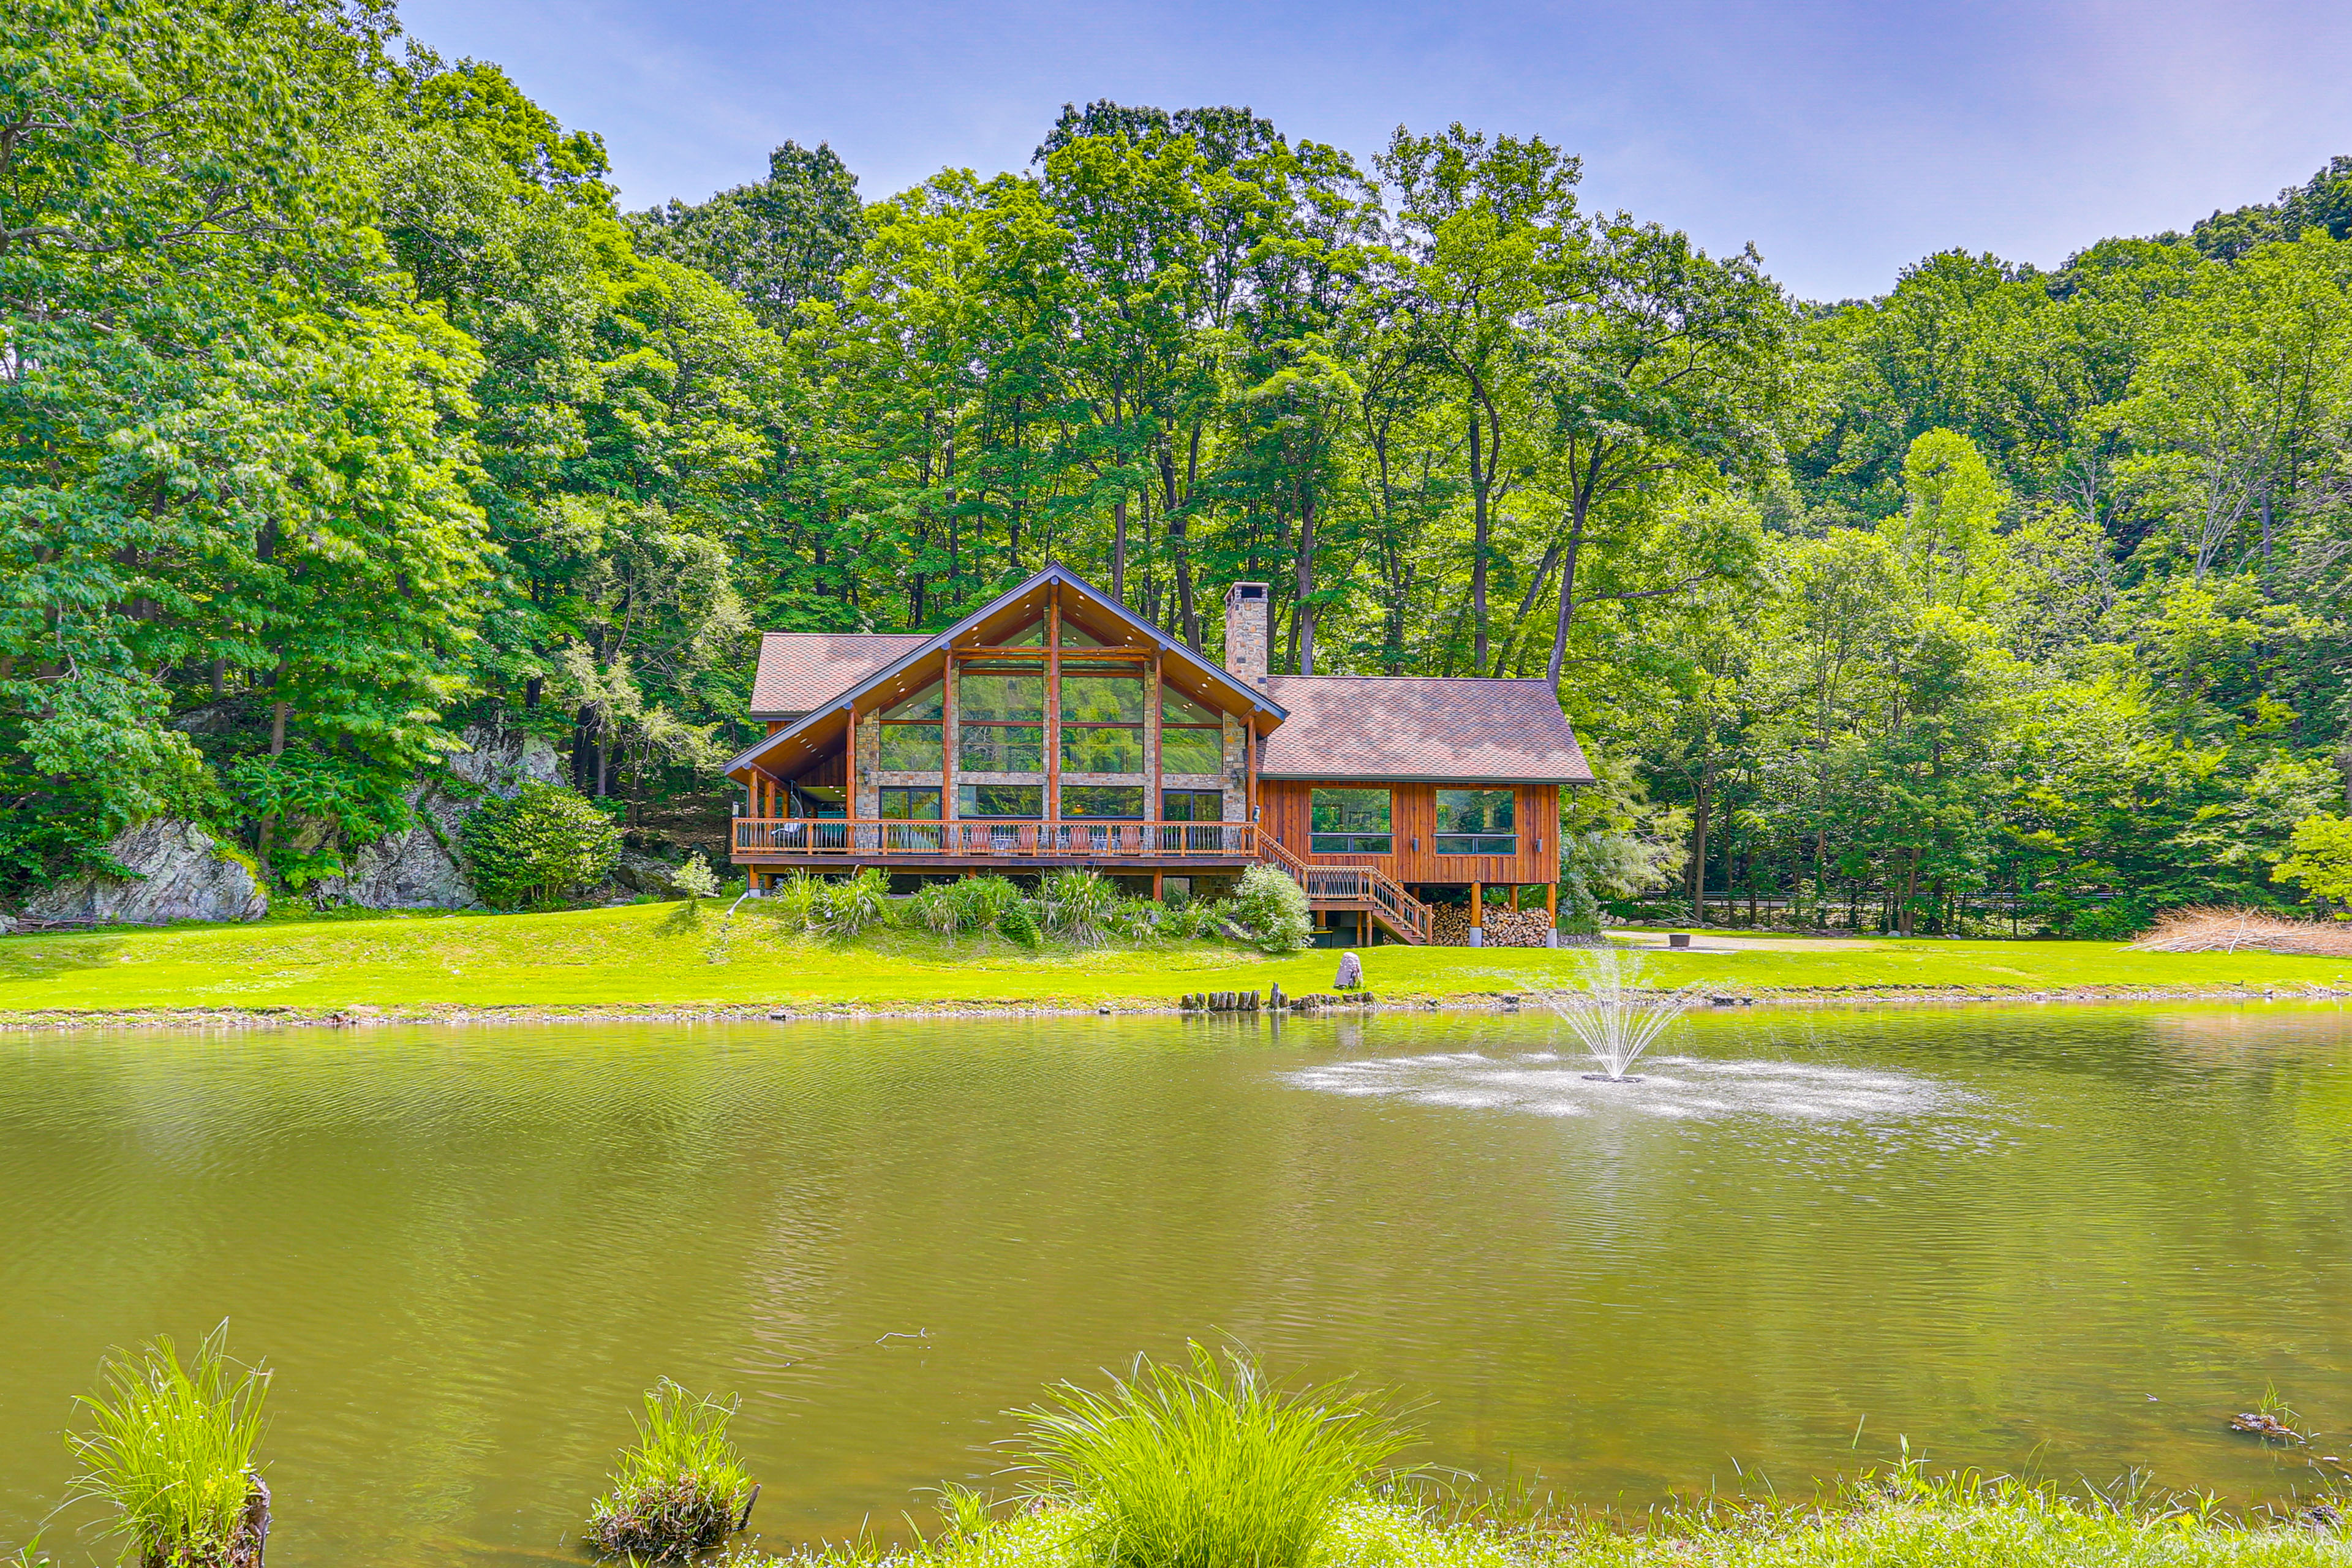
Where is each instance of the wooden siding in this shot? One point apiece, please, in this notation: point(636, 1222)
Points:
point(1413, 814)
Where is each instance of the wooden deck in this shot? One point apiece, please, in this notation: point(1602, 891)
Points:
point(832, 843)
point(782, 843)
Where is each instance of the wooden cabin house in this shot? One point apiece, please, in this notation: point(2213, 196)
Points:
point(1053, 727)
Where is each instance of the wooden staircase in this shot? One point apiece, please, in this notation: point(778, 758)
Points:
point(1363, 888)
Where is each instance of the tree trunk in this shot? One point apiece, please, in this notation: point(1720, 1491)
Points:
point(1119, 550)
point(1303, 606)
point(1567, 593)
point(277, 711)
point(1477, 547)
point(1699, 804)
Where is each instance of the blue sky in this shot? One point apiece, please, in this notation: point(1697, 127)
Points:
point(1845, 139)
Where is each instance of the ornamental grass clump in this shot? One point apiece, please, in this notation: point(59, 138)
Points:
point(1077, 907)
point(170, 1452)
point(681, 1489)
point(842, 909)
point(1206, 1466)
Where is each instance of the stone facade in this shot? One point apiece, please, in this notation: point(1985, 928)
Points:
point(1248, 632)
point(865, 768)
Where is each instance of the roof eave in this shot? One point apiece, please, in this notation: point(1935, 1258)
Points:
point(1323, 775)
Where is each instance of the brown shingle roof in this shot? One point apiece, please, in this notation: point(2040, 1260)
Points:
point(1421, 727)
point(803, 670)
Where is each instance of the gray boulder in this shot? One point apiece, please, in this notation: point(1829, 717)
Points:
point(418, 870)
point(178, 873)
point(639, 873)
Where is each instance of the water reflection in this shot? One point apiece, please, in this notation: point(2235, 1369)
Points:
point(1997, 1232)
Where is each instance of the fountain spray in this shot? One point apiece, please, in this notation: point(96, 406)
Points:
point(1615, 1014)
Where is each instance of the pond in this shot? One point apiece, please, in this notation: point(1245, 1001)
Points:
point(2065, 1240)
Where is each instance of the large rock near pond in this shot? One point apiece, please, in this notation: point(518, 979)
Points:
point(419, 869)
point(178, 873)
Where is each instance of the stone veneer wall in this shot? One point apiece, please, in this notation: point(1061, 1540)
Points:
point(865, 768)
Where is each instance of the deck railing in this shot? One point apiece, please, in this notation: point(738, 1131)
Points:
point(786, 837)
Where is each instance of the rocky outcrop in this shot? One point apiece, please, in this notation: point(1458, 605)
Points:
point(419, 869)
point(637, 873)
point(178, 872)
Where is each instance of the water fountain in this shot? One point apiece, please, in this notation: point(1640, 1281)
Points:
point(1615, 1015)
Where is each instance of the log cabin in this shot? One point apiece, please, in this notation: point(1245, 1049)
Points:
point(1053, 727)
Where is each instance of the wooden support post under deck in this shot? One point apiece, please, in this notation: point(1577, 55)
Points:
point(1551, 901)
point(1477, 912)
point(1515, 897)
point(1157, 896)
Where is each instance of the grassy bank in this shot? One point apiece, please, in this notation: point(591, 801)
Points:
point(1902, 1522)
point(661, 956)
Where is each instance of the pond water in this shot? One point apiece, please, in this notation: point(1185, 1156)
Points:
point(2068, 1241)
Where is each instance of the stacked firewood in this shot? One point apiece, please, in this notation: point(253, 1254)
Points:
point(1449, 926)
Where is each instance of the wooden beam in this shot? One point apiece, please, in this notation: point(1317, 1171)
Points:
point(947, 742)
point(1477, 911)
point(1052, 728)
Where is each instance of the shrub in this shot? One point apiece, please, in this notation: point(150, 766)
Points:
point(695, 879)
point(172, 1452)
point(2321, 864)
point(1194, 920)
point(1207, 1466)
point(1273, 910)
point(681, 1489)
point(1077, 907)
point(1017, 924)
point(543, 845)
point(985, 900)
point(1133, 920)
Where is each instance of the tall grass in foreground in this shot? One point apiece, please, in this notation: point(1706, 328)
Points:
point(1206, 1466)
point(1899, 1519)
point(170, 1452)
point(681, 1489)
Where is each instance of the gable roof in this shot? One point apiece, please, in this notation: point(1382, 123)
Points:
point(799, 670)
point(829, 708)
point(1420, 728)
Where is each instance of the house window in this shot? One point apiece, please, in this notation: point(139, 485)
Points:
point(1192, 806)
point(1348, 821)
point(1001, 719)
point(1476, 822)
point(1025, 801)
point(1120, 803)
point(912, 739)
point(1102, 720)
point(1192, 737)
point(909, 804)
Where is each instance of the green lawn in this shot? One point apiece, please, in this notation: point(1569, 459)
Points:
point(656, 956)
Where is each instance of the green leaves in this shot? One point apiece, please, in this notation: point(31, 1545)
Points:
point(542, 845)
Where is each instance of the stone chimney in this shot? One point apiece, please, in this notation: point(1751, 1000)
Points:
point(1246, 612)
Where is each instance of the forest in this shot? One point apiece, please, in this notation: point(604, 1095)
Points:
point(341, 403)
